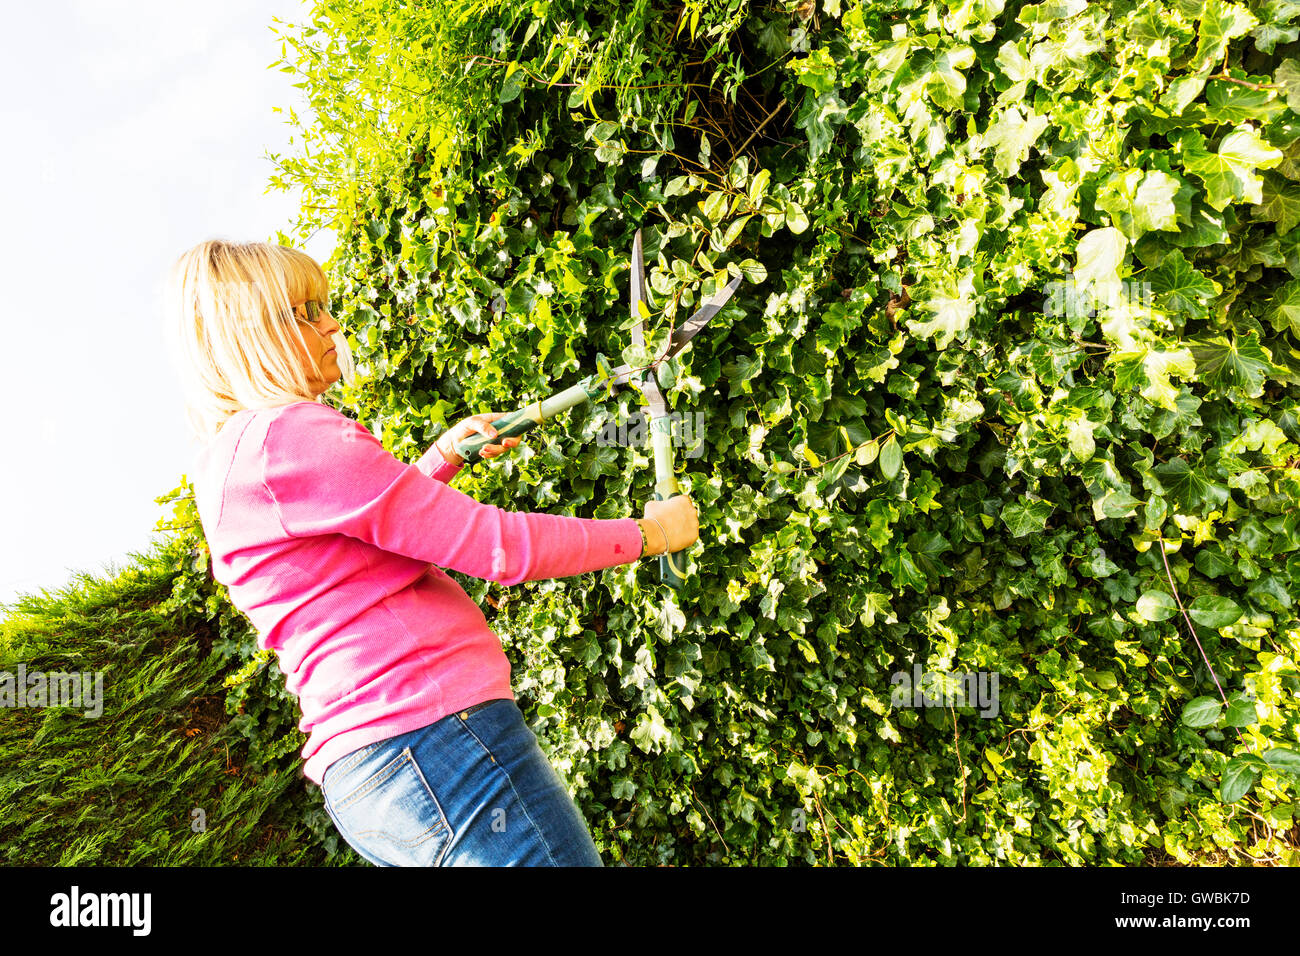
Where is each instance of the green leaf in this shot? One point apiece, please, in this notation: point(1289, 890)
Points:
point(1188, 487)
point(1241, 712)
point(951, 307)
point(1213, 563)
point(1202, 712)
point(753, 270)
point(1026, 517)
point(1240, 364)
point(1180, 289)
point(1214, 612)
point(1285, 313)
point(1229, 173)
point(1078, 434)
point(1238, 777)
point(1156, 606)
point(796, 219)
point(1287, 75)
point(1280, 203)
point(1100, 254)
point(1221, 21)
point(514, 83)
point(1012, 134)
point(891, 459)
point(1285, 759)
point(942, 75)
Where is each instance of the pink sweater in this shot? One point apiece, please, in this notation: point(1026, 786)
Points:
point(327, 543)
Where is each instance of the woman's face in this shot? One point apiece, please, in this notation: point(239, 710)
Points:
point(320, 350)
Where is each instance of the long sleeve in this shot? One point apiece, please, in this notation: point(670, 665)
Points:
point(435, 466)
point(326, 474)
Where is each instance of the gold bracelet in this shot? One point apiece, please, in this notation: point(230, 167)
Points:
point(645, 542)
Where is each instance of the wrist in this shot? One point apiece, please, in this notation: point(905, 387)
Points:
point(448, 455)
point(654, 541)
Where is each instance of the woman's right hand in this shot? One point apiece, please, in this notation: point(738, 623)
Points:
point(679, 520)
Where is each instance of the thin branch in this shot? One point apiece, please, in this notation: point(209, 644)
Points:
point(756, 132)
point(1179, 601)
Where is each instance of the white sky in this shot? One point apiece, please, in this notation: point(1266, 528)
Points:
point(134, 129)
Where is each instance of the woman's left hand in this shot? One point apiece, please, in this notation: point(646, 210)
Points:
point(474, 425)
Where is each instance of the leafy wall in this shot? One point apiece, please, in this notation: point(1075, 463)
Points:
point(1010, 389)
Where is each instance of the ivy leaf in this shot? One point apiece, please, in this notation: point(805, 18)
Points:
point(1269, 34)
point(1189, 488)
point(925, 549)
point(1100, 254)
point(1240, 364)
point(1139, 203)
point(1180, 288)
point(1233, 103)
point(1115, 503)
point(1201, 712)
point(1229, 173)
point(1011, 135)
point(1184, 415)
point(900, 566)
point(1026, 517)
point(1220, 22)
point(1158, 366)
point(1288, 75)
point(952, 309)
point(1079, 433)
point(818, 117)
point(1285, 313)
point(1154, 207)
point(942, 75)
point(1213, 564)
point(1205, 227)
point(1280, 203)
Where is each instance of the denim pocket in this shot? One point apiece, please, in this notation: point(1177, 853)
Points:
point(394, 815)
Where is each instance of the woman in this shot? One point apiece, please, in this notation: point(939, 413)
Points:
point(331, 547)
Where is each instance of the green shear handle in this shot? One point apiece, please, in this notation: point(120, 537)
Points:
point(672, 567)
point(518, 422)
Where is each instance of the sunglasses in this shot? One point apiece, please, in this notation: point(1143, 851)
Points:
point(314, 309)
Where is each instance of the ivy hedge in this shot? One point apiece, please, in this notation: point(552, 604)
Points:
point(1008, 400)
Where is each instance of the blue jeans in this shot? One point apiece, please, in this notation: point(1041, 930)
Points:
point(472, 789)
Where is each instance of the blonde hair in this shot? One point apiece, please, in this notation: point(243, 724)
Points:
point(231, 329)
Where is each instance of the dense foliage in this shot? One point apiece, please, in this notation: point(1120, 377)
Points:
point(154, 773)
point(1011, 389)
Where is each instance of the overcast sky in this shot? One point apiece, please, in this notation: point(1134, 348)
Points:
point(134, 130)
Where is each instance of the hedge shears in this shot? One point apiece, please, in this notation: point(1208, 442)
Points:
point(603, 383)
